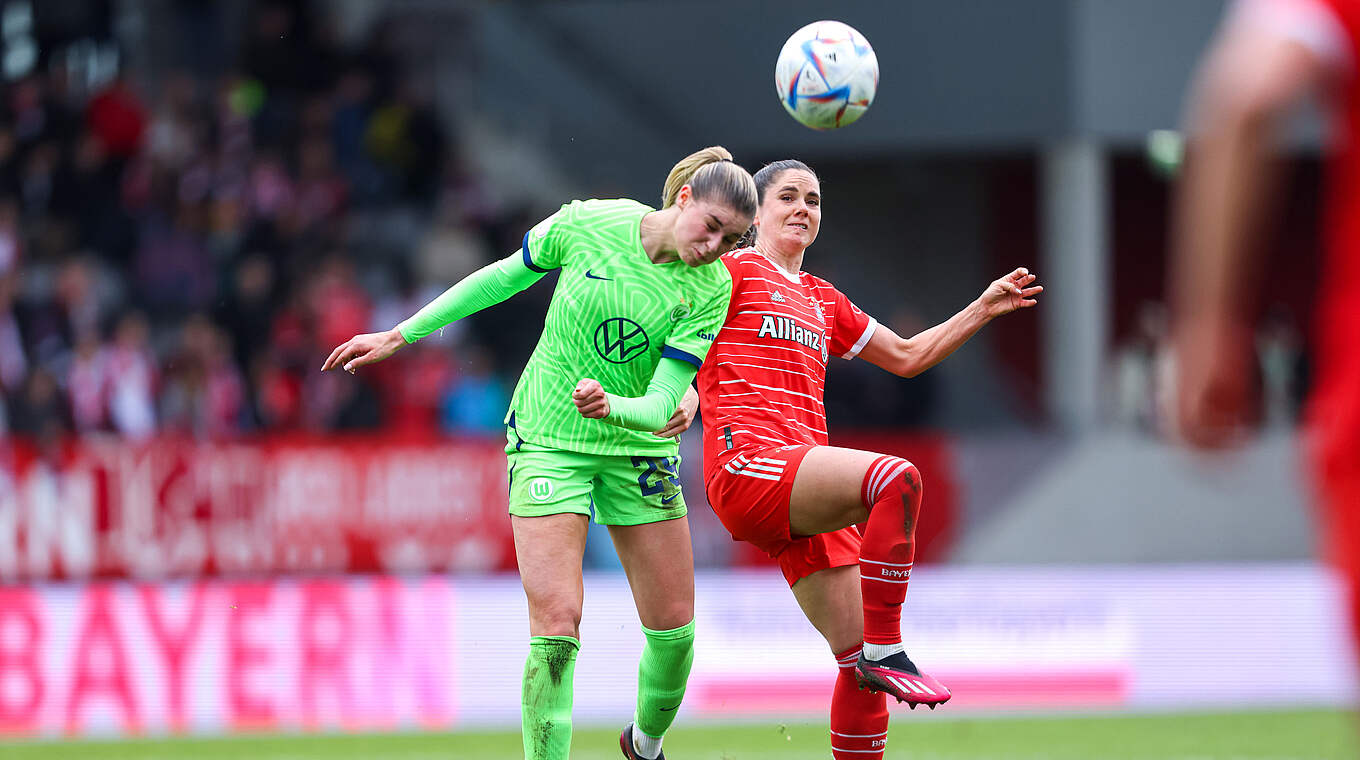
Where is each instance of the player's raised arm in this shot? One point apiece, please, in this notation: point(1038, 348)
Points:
point(487, 286)
point(909, 357)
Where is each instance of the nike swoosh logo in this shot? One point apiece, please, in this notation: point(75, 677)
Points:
point(590, 276)
point(668, 709)
point(668, 500)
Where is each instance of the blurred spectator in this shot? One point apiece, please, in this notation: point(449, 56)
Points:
point(247, 309)
point(87, 384)
point(1135, 381)
point(13, 356)
point(117, 117)
point(321, 191)
point(332, 401)
point(204, 394)
point(37, 179)
point(172, 136)
point(415, 392)
point(9, 162)
point(86, 191)
point(336, 304)
point(276, 393)
point(451, 251)
point(60, 305)
point(270, 192)
point(174, 271)
point(11, 244)
point(353, 105)
point(476, 400)
point(39, 411)
point(1279, 348)
point(407, 140)
point(132, 378)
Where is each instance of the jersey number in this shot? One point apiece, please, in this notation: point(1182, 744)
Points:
point(665, 468)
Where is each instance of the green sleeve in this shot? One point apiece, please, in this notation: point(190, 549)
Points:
point(485, 287)
point(651, 412)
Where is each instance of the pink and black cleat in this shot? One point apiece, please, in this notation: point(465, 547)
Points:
point(626, 744)
point(897, 676)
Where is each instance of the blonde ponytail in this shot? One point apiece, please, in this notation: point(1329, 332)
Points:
point(712, 175)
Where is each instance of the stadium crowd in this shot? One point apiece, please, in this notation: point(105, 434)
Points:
point(177, 256)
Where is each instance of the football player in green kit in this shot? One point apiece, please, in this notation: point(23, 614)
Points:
point(634, 313)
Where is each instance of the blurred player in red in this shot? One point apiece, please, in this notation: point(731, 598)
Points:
point(1269, 56)
point(774, 481)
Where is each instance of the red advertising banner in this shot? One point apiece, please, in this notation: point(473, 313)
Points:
point(110, 508)
point(118, 658)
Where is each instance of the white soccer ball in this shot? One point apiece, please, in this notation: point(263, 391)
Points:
point(826, 75)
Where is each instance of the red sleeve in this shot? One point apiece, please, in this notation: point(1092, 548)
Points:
point(850, 327)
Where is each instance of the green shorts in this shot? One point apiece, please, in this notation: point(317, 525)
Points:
point(619, 489)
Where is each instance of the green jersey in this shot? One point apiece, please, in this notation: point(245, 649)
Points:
point(613, 316)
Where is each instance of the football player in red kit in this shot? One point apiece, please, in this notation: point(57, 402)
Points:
point(774, 481)
point(1270, 56)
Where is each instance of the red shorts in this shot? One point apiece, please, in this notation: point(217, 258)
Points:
point(750, 489)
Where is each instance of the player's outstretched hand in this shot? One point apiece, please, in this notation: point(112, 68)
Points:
point(590, 399)
point(1013, 291)
point(1211, 389)
point(364, 349)
point(683, 417)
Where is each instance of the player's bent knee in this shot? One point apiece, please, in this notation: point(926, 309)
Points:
point(555, 620)
point(672, 617)
point(888, 475)
point(912, 481)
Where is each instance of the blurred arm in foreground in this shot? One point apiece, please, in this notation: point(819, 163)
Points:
point(1269, 56)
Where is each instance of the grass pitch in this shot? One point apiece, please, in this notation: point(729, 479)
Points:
point(1293, 735)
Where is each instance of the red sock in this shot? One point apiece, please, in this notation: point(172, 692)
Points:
point(892, 492)
point(859, 718)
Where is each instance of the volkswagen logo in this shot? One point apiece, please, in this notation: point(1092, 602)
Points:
point(620, 340)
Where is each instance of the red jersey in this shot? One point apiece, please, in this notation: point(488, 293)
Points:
point(763, 380)
point(1331, 29)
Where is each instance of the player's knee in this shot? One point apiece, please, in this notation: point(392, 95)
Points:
point(890, 475)
point(673, 618)
point(911, 482)
point(555, 619)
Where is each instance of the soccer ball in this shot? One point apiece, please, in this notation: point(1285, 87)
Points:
point(826, 75)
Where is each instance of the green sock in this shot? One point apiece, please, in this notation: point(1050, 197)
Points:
point(663, 672)
point(545, 702)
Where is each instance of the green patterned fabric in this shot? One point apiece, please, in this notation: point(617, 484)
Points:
point(613, 316)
